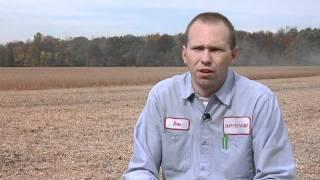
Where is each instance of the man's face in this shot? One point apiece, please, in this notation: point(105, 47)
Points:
point(208, 55)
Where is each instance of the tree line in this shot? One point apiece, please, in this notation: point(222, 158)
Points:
point(288, 46)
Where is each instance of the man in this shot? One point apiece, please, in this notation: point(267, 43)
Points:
point(211, 123)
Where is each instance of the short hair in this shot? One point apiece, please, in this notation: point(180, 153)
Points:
point(212, 17)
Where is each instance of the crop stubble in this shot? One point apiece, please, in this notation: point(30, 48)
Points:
point(34, 78)
point(86, 133)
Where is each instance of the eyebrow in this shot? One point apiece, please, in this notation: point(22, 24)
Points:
point(207, 46)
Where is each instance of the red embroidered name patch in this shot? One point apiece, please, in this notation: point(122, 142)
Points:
point(237, 125)
point(177, 123)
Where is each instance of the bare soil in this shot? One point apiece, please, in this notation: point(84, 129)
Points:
point(86, 133)
point(36, 78)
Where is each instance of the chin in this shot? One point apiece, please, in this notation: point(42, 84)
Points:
point(206, 83)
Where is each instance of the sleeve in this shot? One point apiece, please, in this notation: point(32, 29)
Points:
point(273, 156)
point(146, 159)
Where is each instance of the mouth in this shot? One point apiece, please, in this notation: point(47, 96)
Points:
point(205, 71)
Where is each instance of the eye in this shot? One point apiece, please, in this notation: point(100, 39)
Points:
point(197, 48)
point(216, 50)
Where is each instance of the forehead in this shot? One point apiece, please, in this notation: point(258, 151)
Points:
point(209, 32)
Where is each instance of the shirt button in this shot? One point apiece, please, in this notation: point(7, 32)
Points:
point(204, 143)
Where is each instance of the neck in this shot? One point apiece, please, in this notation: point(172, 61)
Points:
point(208, 90)
point(204, 92)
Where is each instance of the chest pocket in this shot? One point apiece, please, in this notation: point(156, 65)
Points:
point(238, 158)
point(177, 148)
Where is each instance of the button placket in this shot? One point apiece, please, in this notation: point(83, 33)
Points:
point(204, 149)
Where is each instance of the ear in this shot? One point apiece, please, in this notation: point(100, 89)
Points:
point(235, 55)
point(184, 54)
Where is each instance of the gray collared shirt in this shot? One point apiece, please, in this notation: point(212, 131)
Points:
point(172, 133)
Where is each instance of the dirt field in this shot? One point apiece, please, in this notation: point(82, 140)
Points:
point(86, 133)
point(35, 78)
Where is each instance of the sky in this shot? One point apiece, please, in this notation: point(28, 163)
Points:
point(20, 20)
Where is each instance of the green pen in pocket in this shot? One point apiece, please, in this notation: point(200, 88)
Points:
point(225, 141)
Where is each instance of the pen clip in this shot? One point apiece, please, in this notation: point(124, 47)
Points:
point(225, 141)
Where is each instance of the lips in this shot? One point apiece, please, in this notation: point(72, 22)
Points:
point(205, 71)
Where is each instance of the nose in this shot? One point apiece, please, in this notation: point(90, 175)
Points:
point(205, 58)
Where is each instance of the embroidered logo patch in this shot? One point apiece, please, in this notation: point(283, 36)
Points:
point(236, 125)
point(177, 123)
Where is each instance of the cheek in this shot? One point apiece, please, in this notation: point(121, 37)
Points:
point(191, 60)
point(223, 61)
point(196, 57)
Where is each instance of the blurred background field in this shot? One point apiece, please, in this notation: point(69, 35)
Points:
point(60, 131)
point(52, 78)
point(74, 76)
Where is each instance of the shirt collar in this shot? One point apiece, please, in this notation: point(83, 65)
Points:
point(224, 94)
point(188, 89)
